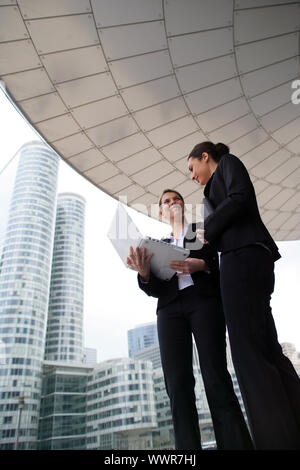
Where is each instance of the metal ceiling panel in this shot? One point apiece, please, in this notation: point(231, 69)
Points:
point(192, 15)
point(235, 129)
point(268, 194)
point(284, 170)
point(260, 186)
point(161, 114)
point(101, 172)
point(277, 222)
point(85, 90)
point(18, 56)
point(125, 11)
point(269, 100)
point(267, 165)
point(288, 132)
point(127, 88)
point(261, 152)
point(263, 53)
point(126, 41)
point(37, 9)
point(213, 96)
point(181, 148)
point(137, 162)
point(172, 180)
point(98, 112)
point(280, 117)
point(292, 204)
point(73, 145)
point(201, 46)
point(182, 166)
point(269, 22)
point(43, 107)
point(75, 63)
point(196, 76)
point(152, 173)
point(116, 184)
point(269, 77)
point(128, 72)
point(187, 187)
point(29, 84)
point(246, 143)
point(150, 93)
point(126, 146)
point(9, 16)
point(221, 115)
point(239, 4)
point(294, 145)
point(292, 180)
point(174, 131)
point(58, 127)
point(291, 223)
point(112, 131)
point(61, 33)
point(132, 193)
point(87, 160)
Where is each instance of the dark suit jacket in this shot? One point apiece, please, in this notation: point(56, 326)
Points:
point(236, 221)
point(206, 283)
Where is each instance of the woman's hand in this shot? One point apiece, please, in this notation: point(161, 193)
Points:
point(189, 266)
point(200, 235)
point(140, 262)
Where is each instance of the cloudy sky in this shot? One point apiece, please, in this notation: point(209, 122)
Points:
point(113, 302)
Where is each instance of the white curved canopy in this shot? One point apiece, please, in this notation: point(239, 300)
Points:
point(123, 89)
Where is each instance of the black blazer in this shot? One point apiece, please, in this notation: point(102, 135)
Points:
point(206, 283)
point(236, 221)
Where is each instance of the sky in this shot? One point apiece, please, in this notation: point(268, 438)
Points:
point(113, 303)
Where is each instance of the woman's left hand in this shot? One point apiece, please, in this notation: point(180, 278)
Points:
point(189, 266)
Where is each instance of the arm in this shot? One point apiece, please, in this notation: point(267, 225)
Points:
point(240, 196)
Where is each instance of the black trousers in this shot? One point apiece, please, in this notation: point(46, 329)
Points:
point(203, 317)
point(269, 384)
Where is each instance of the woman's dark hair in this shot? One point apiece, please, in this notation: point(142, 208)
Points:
point(170, 191)
point(216, 151)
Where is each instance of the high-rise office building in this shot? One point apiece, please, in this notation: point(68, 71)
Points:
point(64, 340)
point(24, 292)
point(141, 337)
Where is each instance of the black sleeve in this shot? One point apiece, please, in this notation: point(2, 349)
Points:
point(239, 199)
point(154, 287)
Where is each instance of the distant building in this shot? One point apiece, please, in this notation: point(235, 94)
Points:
point(64, 339)
point(107, 406)
point(141, 337)
point(24, 292)
point(89, 356)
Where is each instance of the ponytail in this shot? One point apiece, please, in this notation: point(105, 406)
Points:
point(216, 151)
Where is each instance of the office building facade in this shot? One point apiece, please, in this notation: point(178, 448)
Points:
point(64, 340)
point(110, 405)
point(24, 292)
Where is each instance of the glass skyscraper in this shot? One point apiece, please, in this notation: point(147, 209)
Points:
point(64, 340)
point(24, 292)
point(141, 337)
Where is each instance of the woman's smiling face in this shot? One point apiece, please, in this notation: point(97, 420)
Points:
point(200, 170)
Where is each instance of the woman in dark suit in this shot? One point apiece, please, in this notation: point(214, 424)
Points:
point(269, 384)
point(189, 304)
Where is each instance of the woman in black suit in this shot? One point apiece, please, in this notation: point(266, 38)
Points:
point(269, 384)
point(189, 304)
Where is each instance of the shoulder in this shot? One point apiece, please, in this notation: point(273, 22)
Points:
point(230, 163)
